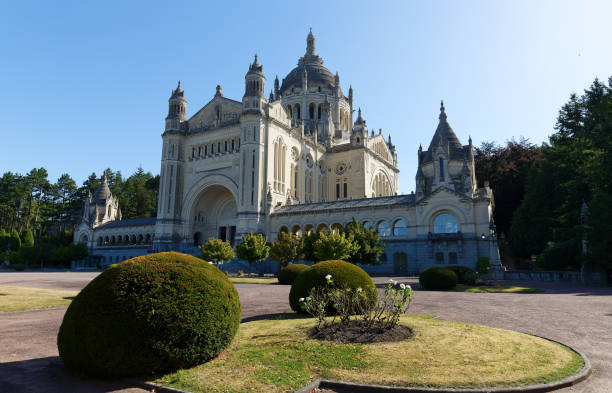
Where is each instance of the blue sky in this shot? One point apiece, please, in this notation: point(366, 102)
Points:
point(84, 85)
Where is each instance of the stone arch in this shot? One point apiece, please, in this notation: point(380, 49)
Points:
point(322, 227)
point(133, 239)
point(113, 240)
point(381, 184)
point(308, 229)
point(283, 228)
point(200, 186)
point(444, 213)
point(399, 227)
point(336, 227)
point(296, 230)
point(431, 212)
point(148, 238)
point(83, 238)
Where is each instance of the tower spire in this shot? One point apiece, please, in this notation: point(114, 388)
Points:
point(442, 111)
point(310, 43)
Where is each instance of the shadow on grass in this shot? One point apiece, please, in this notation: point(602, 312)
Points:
point(275, 316)
point(69, 297)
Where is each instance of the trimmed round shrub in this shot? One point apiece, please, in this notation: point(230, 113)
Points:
point(438, 278)
point(147, 315)
point(465, 275)
point(287, 275)
point(344, 275)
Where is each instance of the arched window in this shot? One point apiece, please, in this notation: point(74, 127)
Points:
point(399, 228)
point(441, 168)
point(298, 114)
point(367, 224)
point(296, 230)
point(284, 229)
point(383, 228)
point(322, 228)
point(308, 229)
point(445, 223)
point(113, 240)
point(197, 239)
point(311, 110)
point(319, 111)
point(336, 227)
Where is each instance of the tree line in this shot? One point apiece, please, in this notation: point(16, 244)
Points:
point(31, 203)
point(555, 200)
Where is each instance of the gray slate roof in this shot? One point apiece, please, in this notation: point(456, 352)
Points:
point(132, 222)
point(351, 204)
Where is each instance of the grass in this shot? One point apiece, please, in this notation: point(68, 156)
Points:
point(20, 299)
point(276, 356)
point(253, 280)
point(495, 289)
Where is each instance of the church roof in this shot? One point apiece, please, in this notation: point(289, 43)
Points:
point(102, 193)
point(444, 136)
point(132, 222)
point(317, 74)
point(351, 204)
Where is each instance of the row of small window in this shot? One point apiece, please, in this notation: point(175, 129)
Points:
point(443, 223)
point(125, 240)
point(228, 146)
point(116, 259)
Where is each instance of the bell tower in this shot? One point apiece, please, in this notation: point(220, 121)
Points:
point(177, 109)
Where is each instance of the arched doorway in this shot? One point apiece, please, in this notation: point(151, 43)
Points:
point(214, 215)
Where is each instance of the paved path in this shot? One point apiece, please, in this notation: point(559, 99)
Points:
point(578, 316)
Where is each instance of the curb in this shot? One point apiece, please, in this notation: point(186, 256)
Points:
point(347, 387)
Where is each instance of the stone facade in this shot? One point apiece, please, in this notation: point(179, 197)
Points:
point(296, 161)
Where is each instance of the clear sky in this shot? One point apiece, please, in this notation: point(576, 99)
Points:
point(84, 85)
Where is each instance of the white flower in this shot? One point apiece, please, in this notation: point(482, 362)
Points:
point(301, 299)
point(328, 277)
point(409, 287)
point(403, 286)
point(359, 290)
point(308, 299)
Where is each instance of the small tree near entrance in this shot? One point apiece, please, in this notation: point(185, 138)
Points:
point(216, 250)
point(287, 247)
point(252, 249)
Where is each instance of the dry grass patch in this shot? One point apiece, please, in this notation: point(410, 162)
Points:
point(277, 356)
point(20, 299)
point(495, 289)
point(253, 280)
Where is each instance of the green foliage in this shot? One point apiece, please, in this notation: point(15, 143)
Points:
point(309, 241)
point(27, 238)
point(78, 251)
point(576, 168)
point(335, 245)
point(4, 240)
point(482, 265)
point(465, 275)
point(216, 250)
point(565, 254)
point(368, 240)
point(506, 168)
point(287, 248)
point(19, 267)
point(148, 315)
point(287, 275)
point(438, 278)
point(253, 248)
point(14, 240)
point(345, 275)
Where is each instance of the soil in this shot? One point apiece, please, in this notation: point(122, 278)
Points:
point(355, 332)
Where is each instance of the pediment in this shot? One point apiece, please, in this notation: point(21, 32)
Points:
point(217, 111)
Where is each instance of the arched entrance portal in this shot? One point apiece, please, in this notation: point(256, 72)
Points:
point(214, 215)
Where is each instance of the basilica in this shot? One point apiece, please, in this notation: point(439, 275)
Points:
point(296, 160)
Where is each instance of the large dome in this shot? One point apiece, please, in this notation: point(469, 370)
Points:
point(317, 74)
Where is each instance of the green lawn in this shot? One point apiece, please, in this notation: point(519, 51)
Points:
point(20, 299)
point(277, 356)
point(495, 289)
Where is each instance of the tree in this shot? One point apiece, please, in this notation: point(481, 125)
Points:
point(77, 251)
point(15, 241)
point(309, 241)
point(576, 169)
point(27, 238)
point(252, 249)
point(216, 250)
point(335, 245)
point(370, 245)
point(506, 168)
point(287, 247)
